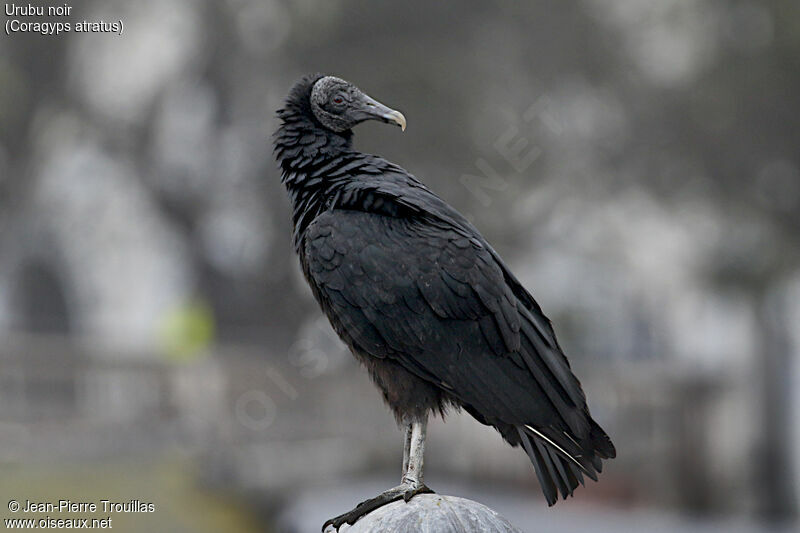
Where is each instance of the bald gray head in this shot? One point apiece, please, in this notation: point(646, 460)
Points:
point(340, 105)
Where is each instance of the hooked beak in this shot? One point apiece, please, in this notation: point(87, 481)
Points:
point(374, 110)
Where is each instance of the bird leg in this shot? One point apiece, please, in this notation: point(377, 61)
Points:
point(407, 446)
point(415, 442)
point(410, 484)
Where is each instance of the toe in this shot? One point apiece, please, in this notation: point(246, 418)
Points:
point(413, 491)
point(334, 523)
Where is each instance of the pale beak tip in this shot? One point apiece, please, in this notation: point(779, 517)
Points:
point(398, 118)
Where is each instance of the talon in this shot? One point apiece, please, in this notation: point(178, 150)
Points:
point(341, 520)
point(349, 518)
point(404, 492)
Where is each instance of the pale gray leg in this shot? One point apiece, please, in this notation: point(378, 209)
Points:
point(413, 472)
point(406, 447)
point(410, 486)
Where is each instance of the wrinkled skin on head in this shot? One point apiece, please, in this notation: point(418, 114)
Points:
point(340, 105)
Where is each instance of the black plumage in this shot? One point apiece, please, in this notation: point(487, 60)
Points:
point(420, 297)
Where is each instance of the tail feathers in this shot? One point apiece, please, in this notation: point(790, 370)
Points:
point(560, 462)
point(601, 442)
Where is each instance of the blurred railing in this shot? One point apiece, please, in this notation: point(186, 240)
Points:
point(260, 423)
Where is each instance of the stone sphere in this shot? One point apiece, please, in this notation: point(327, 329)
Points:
point(432, 513)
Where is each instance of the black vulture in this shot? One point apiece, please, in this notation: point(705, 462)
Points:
point(422, 300)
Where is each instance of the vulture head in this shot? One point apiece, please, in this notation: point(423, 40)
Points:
point(340, 105)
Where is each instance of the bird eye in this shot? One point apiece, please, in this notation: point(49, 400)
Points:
point(338, 100)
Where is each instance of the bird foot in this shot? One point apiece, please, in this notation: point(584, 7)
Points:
point(405, 491)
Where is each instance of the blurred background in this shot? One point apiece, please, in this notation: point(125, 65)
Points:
point(635, 162)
